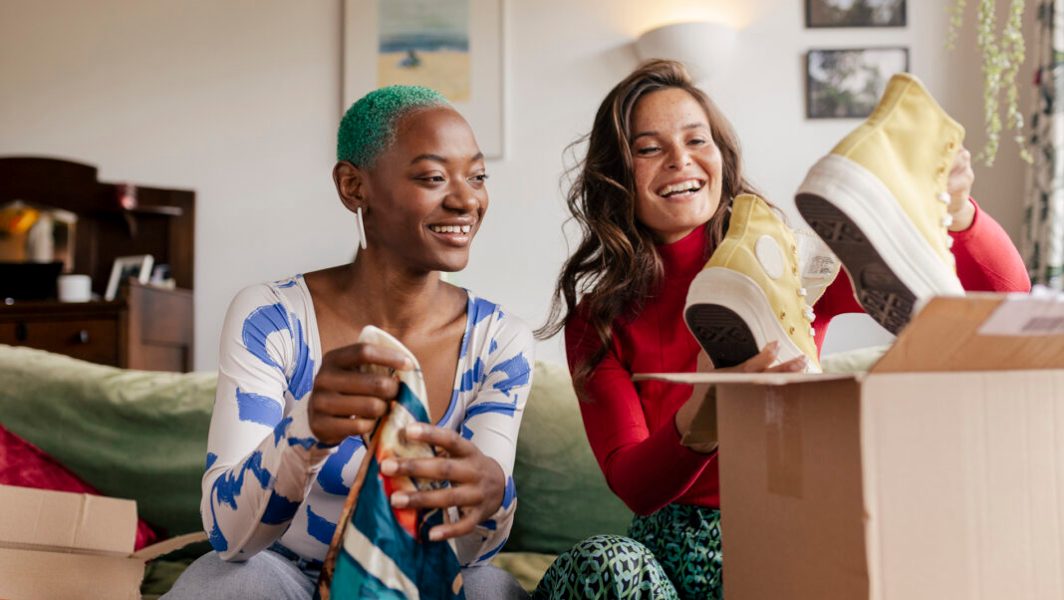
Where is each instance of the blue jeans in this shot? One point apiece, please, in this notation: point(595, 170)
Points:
point(269, 576)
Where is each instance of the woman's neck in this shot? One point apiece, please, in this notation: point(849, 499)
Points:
point(391, 297)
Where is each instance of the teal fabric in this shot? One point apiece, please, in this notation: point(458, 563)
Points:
point(561, 493)
point(130, 434)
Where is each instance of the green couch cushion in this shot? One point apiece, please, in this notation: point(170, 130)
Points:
point(561, 493)
point(130, 434)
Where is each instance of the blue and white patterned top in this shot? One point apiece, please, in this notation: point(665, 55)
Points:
point(267, 479)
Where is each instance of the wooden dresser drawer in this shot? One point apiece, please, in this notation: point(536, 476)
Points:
point(94, 340)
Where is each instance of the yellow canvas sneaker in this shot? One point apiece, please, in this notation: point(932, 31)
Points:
point(750, 292)
point(879, 201)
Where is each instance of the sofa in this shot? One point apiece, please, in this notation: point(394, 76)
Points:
point(143, 435)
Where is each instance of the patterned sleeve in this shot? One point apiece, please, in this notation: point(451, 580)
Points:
point(492, 421)
point(262, 457)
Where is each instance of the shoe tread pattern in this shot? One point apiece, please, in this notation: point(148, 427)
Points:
point(722, 333)
point(880, 292)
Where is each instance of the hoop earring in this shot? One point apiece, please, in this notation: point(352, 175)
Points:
point(361, 229)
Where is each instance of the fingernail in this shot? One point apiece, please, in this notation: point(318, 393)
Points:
point(389, 466)
point(399, 500)
point(800, 365)
point(408, 365)
point(414, 429)
point(435, 535)
point(773, 346)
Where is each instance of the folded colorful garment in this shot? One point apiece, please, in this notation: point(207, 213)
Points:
point(384, 552)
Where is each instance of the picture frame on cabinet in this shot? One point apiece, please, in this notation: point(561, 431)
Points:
point(124, 267)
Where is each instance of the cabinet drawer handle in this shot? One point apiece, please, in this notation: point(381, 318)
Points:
point(21, 333)
point(83, 336)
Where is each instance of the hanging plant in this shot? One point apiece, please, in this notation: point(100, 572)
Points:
point(1002, 55)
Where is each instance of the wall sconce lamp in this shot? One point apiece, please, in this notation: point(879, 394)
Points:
point(704, 47)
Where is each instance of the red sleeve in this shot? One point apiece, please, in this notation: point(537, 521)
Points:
point(987, 261)
point(647, 470)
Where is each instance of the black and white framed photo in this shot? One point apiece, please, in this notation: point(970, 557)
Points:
point(854, 13)
point(125, 267)
point(847, 83)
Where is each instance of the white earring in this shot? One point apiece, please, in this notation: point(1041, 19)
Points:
point(361, 229)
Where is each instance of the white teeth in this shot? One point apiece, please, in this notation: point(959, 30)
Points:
point(683, 186)
point(451, 228)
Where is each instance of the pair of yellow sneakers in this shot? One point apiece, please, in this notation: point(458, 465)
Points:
point(878, 200)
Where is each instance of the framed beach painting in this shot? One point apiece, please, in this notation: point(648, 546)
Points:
point(847, 83)
point(854, 13)
point(452, 46)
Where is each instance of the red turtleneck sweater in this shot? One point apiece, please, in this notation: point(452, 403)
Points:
point(631, 425)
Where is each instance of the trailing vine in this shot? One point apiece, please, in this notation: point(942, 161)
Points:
point(1002, 53)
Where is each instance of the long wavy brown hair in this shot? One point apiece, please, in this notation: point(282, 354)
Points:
point(616, 267)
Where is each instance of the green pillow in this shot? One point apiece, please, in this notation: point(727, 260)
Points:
point(561, 492)
point(131, 434)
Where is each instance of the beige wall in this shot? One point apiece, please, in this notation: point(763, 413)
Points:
point(239, 100)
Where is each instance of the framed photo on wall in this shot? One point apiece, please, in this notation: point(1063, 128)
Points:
point(452, 46)
point(855, 13)
point(847, 83)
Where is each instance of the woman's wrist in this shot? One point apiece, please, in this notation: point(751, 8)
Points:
point(963, 217)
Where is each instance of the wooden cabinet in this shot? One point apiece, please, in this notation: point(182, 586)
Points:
point(146, 328)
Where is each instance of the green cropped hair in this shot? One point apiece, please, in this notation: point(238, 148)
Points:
point(369, 125)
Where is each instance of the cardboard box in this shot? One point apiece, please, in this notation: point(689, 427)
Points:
point(66, 545)
point(937, 474)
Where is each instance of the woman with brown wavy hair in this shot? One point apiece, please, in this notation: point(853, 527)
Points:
point(653, 199)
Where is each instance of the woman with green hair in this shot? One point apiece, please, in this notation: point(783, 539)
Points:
point(297, 392)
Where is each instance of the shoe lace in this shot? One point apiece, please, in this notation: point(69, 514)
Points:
point(947, 219)
point(807, 310)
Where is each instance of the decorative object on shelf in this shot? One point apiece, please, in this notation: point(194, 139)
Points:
point(1001, 53)
point(847, 83)
point(125, 267)
point(453, 46)
point(705, 48)
point(75, 288)
point(160, 277)
point(854, 13)
point(126, 194)
point(31, 232)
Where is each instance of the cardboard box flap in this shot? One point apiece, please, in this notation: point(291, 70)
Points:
point(167, 546)
point(980, 332)
point(755, 378)
point(66, 521)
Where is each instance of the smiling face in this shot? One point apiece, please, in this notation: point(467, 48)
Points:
point(425, 195)
point(677, 165)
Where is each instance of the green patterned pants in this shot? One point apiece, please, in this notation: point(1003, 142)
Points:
point(672, 554)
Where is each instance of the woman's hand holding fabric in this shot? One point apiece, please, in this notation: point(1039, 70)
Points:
point(352, 389)
point(477, 482)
